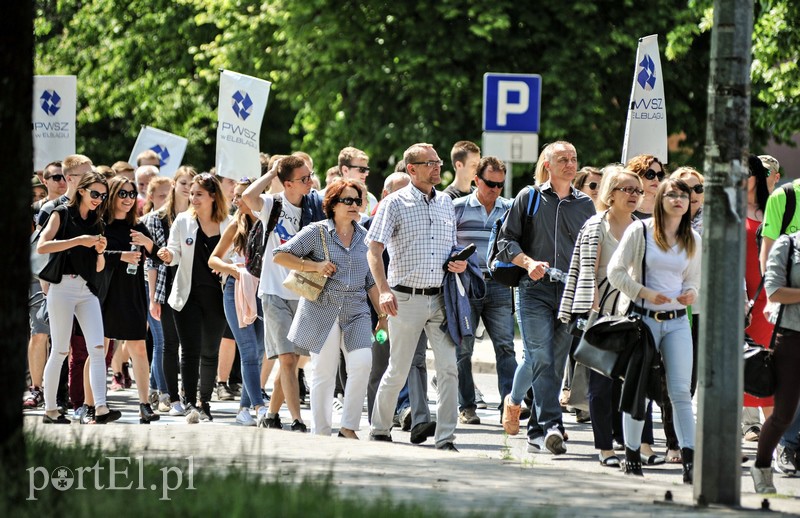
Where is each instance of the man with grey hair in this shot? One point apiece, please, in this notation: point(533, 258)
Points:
point(415, 225)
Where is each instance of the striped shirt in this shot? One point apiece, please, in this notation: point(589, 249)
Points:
point(159, 233)
point(473, 225)
point(344, 295)
point(419, 233)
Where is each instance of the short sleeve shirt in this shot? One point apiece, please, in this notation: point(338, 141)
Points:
point(273, 275)
point(773, 215)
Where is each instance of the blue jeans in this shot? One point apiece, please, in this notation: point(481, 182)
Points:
point(250, 341)
point(157, 379)
point(498, 316)
point(673, 339)
point(547, 344)
point(791, 437)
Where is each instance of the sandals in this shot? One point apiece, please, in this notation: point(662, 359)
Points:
point(612, 461)
point(674, 457)
point(652, 460)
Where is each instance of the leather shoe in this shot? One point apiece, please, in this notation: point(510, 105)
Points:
point(422, 431)
point(380, 438)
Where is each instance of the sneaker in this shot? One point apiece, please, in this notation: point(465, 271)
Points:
point(164, 403)
point(583, 416)
point(153, 398)
point(422, 431)
point(224, 392)
point(62, 406)
point(244, 418)
point(34, 400)
point(88, 416)
point(78, 413)
point(752, 434)
point(176, 409)
point(468, 416)
point(338, 404)
point(192, 414)
point(786, 460)
point(405, 419)
point(205, 411)
point(479, 402)
point(298, 426)
point(236, 388)
point(510, 416)
point(536, 445)
point(264, 421)
point(554, 441)
point(265, 396)
point(118, 383)
point(525, 414)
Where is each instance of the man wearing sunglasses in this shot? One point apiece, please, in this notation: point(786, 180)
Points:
point(301, 205)
point(73, 168)
point(475, 217)
point(54, 180)
point(538, 244)
point(415, 224)
point(354, 165)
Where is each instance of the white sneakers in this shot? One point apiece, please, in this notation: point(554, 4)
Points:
point(176, 409)
point(244, 418)
point(554, 441)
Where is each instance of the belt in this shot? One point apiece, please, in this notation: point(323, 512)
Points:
point(660, 316)
point(487, 276)
point(418, 291)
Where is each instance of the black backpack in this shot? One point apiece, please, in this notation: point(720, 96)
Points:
point(257, 239)
point(788, 213)
point(509, 274)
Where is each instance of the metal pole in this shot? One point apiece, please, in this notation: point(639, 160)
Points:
point(717, 473)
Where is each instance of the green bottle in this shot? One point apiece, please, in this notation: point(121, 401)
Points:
point(381, 336)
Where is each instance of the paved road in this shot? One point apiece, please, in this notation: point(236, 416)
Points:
point(492, 473)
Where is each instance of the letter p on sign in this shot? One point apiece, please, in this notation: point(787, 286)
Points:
point(511, 102)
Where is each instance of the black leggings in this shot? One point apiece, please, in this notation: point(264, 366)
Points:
point(200, 325)
point(786, 356)
point(171, 345)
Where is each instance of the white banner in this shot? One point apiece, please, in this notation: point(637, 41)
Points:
point(646, 128)
point(54, 101)
point(242, 101)
point(168, 146)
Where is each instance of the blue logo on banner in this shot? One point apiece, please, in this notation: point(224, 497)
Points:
point(647, 75)
point(50, 102)
point(163, 154)
point(242, 104)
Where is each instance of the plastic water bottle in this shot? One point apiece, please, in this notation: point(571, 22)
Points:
point(381, 336)
point(132, 268)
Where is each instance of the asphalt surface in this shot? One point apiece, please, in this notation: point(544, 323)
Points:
point(492, 474)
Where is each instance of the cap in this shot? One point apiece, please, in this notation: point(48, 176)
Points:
point(35, 182)
point(770, 162)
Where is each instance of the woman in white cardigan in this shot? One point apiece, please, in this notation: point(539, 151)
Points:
point(660, 296)
point(196, 294)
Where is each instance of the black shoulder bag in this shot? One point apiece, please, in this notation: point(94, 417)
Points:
point(54, 269)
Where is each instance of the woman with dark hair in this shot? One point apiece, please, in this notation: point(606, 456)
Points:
point(587, 180)
point(125, 304)
point(651, 171)
point(339, 319)
point(670, 281)
point(76, 295)
point(242, 305)
point(159, 282)
point(196, 294)
point(759, 187)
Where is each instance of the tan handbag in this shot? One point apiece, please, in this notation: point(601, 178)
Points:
point(308, 284)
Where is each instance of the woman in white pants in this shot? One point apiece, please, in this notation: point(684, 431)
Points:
point(83, 243)
point(339, 319)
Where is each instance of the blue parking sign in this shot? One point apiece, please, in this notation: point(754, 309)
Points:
point(512, 102)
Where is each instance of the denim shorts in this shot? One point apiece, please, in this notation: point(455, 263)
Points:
point(36, 316)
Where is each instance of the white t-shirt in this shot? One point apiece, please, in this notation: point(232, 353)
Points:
point(665, 273)
point(273, 275)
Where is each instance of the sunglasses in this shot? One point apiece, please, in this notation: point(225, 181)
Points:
point(650, 174)
point(630, 190)
point(302, 179)
point(593, 186)
point(492, 185)
point(350, 201)
point(698, 189)
point(126, 194)
point(56, 177)
point(362, 168)
point(97, 194)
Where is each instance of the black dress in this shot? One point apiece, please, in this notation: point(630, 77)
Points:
point(126, 303)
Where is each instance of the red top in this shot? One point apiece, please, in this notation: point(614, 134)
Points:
point(760, 330)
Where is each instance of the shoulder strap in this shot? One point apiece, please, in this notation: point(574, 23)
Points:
point(788, 282)
point(324, 243)
point(274, 214)
point(791, 205)
point(534, 194)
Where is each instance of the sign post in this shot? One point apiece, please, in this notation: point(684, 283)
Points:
point(511, 109)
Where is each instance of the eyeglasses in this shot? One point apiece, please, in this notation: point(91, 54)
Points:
point(429, 163)
point(302, 179)
point(698, 189)
point(650, 174)
point(97, 194)
point(490, 184)
point(126, 194)
point(362, 168)
point(593, 185)
point(350, 201)
point(630, 190)
point(55, 177)
point(672, 195)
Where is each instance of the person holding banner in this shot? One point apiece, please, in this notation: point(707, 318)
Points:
point(76, 295)
point(196, 295)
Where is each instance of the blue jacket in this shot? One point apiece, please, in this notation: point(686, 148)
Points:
point(311, 208)
point(456, 301)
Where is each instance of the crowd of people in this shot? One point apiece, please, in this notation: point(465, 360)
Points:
point(183, 275)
